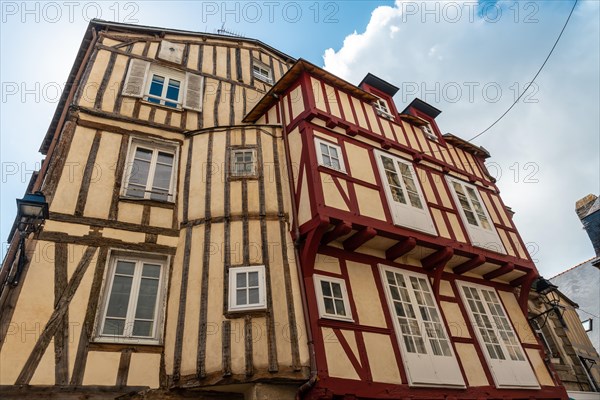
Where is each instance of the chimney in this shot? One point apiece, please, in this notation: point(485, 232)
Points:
point(588, 211)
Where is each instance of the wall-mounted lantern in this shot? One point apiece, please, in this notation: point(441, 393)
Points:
point(549, 296)
point(32, 211)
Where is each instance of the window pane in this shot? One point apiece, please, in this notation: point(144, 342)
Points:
point(113, 327)
point(253, 279)
point(240, 298)
point(324, 149)
point(143, 154)
point(173, 90)
point(337, 290)
point(335, 163)
point(339, 307)
point(156, 87)
point(240, 280)
point(165, 158)
point(162, 177)
point(253, 297)
point(142, 328)
point(119, 296)
point(325, 288)
point(139, 172)
point(151, 271)
point(147, 298)
point(329, 306)
point(125, 267)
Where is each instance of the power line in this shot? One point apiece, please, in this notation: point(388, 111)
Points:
point(533, 80)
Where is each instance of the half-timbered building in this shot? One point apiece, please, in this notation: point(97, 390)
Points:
point(415, 275)
point(226, 219)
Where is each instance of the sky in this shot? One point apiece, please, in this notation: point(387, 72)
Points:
point(469, 59)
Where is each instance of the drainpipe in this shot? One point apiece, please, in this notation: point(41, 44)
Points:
point(311, 346)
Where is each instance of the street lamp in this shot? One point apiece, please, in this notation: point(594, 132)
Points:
point(549, 296)
point(32, 211)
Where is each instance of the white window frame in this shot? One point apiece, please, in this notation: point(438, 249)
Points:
point(233, 169)
point(423, 369)
point(167, 74)
point(506, 371)
point(480, 236)
point(406, 214)
point(159, 310)
point(382, 107)
point(590, 325)
point(317, 279)
point(262, 71)
point(428, 131)
point(330, 145)
point(155, 147)
point(262, 288)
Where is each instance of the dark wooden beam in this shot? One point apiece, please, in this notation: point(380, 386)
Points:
point(437, 259)
point(469, 265)
point(341, 229)
point(505, 269)
point(400, 248)
point(359, 238)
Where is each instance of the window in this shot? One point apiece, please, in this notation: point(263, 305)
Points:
point(329, 155)
point(150, 171)
point(164, 89)
point(587, 325)
point(332, 298)
point(262, 72)
point(475, 217)
point(247, 288)
point(428, 131)
point(381, 106)
point(243, 162)
point(420, 330)
point(165, 86)
point(403, 192)
point(133, 299)
point(496, 337)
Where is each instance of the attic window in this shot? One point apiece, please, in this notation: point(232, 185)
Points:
point(429, 132)
point(587, 325)
point(382, 108)
point(262, 72)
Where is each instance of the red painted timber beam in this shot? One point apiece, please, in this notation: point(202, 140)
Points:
point(341, 229)
point(439, 258)
point(359, 238)
point(469, 265)
point(400, 248)
point(505, 269)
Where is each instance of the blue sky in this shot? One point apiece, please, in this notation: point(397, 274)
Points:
point(469, 59)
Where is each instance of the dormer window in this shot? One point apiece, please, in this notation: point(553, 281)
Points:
point(428, 131)
point(383, 108)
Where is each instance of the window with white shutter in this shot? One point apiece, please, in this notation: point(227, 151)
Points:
point(165, 86)
point(497, 338)
point(424, 342)
point(476, 219)
point(403, 192)
point(135, 81)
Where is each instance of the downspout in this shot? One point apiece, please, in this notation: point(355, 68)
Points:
point(10, 256)
point(309, 338)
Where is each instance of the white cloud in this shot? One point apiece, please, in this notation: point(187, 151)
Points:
point(472, 64)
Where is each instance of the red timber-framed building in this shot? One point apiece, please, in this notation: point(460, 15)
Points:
point(415, 277)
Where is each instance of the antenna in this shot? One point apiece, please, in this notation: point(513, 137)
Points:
point(224, 31)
